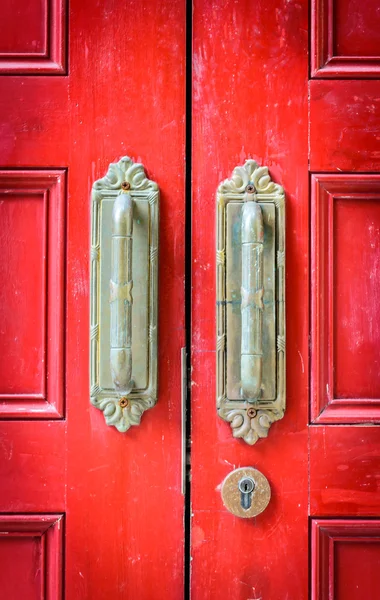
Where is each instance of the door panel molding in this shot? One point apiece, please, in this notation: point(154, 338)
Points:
point(345, 244)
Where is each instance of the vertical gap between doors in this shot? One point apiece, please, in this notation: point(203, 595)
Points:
point(188, 262)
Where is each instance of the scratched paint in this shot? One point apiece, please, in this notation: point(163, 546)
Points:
point(250, 97)
point(124, 93)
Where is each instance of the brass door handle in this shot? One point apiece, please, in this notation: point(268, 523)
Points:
point(252, 246)
point(124, 254)
point(250, 307)
point(121, 284)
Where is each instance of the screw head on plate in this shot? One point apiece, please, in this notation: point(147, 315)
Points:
point(123, 402)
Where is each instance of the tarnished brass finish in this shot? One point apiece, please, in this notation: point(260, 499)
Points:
point(232, 496)
point(252, 291)
point(124, 273)
point(250, 302)
point(121, 300)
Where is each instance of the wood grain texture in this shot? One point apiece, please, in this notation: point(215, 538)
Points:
point(245, 105)
point(121, 494)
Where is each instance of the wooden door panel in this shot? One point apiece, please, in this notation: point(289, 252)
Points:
point(344, 471)
point(39, 133)
point(345, 559)
point(34, 37)
point(32, 239)
point(344, 157)
point(31, 550)
point(127, 91)
point(345, 39)
point(32, 466)
point(345, 259)
point(344, 137)
point(344, 126)
point(123, 94)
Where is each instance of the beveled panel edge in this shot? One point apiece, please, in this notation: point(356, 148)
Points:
point(325, 533)
point(325, 409)
point(49, 405)
point(55, 61)
point(49, 529)
point(324, 64)
point(248, 421)
point(123, 417)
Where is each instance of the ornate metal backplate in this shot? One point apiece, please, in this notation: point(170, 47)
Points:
point(124, 410)
point(250, 417)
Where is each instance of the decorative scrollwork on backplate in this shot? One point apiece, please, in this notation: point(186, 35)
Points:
point(122, 413)
point(125, 170)
point(249, 173)
point(249, 424)
point(250, 420)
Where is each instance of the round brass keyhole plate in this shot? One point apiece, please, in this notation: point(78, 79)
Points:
point(231, 494)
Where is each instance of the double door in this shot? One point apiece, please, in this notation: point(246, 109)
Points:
point(191, 92)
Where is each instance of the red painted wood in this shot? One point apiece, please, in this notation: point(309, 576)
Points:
point(345, 39)
point(32, 241)
point(31, 549)
point(120, 494)
point(345, 126)
point(344, 471)
point(345, 259)
point(258, 111)
point(344, 159)
point(357, 28)
point(32, 466)
point(34, 37)
point(24, 40)
point(23, 246)
point(250, 101)
point(345, 559)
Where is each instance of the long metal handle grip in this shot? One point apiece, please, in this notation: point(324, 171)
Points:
point(121, 294)
point(252, 291)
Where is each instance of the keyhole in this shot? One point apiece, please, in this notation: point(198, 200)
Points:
point(246, 487)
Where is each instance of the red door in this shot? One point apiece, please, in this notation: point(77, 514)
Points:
point(87, 511)
point(303, 100)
